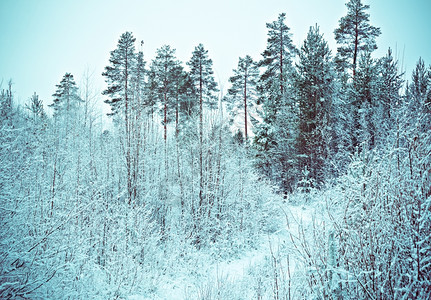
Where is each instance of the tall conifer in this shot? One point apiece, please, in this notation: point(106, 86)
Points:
point(118, 76)
point(272, 135)
point(314, 86)
point(244, 84)
point(66, 99)
point(355, 34)
point(201, 75)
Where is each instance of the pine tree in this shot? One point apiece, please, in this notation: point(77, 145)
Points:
point(419, 85)
point(356, 38)
point(355, 34)
point(150, 91)
point(272, 135)
point(118, 77)
point(138, 83)
point(389, 83)
point(314, 86)
point(120, 92)
point(164, 66)
point(342, 121)
point(277, 60)
point(66, 101)
point(201, 75)
point(419, 96)
point(36, 109)
point(138, 106)
point(6, 97)
point(184, 96)
point(244, 84)
point(364, 101)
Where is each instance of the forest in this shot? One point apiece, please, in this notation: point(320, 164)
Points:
point(309, 178)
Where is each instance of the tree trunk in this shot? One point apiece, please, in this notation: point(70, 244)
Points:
point(355, 53)
point(166, 135)
point(176, 117)
point(127, 134)
point(165, 117)
point(245, 109)
point(201, 177)
point(281, 60)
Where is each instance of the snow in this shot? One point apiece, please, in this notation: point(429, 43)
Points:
point(236, 272)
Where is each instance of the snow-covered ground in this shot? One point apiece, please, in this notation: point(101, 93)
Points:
point(234, 277)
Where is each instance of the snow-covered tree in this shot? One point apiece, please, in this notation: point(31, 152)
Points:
point(66, 98)
point(419, 96)
point(6, 100)
point(388, 95)
point(364, 102)
point(138, 85)
point(314, 87)
point(202, 76)
point(274, 135)
point(35, 107)
point(67, 103)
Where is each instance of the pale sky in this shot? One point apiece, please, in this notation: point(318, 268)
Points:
point(41, 40)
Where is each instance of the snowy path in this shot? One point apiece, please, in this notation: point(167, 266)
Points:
point(236, 270)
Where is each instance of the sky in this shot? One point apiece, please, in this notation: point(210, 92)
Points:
point(41, 40)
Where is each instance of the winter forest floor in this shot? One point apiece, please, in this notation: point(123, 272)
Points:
point(275, 264)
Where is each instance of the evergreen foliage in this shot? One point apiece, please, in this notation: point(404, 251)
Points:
point(314, 86)
point(6, 100)
point(388, 97)
point(35, 107)
point(364, 104)
point(273, 137)
point(244, 83)
point(355, 34)
point(201, 75)
point(184, 93)
point(66, 99)
point(125, 78)
point(163, 67)
point(118, 75)
point(418, 95)
point(276, 61)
